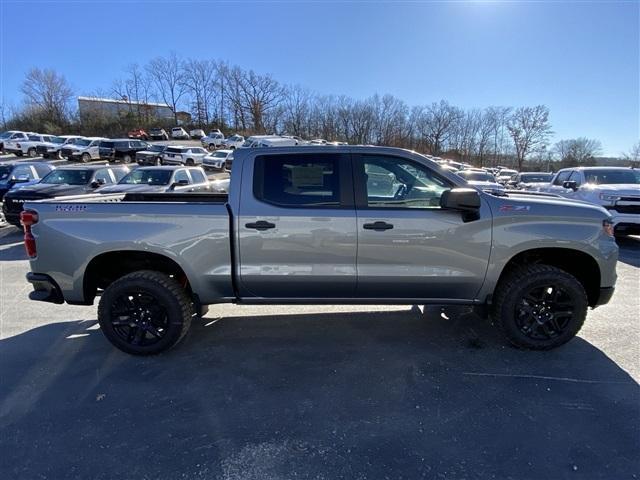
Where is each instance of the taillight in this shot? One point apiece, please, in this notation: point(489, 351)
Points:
point(28, 218)
point(607, 226)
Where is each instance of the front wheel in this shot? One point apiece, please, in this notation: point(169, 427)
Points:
point(86, 158)
point(32, 152)
point(158, 161)
point(145, 312)
point(126, 158)
point(539, 307)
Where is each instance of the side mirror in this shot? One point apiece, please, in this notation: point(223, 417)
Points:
point(20, 179)
point(179, 183)
point(570, 184)
point(97, 183)
point(463, 199)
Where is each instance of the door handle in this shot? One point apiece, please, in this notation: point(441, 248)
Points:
point(378, 226)
point(261, 225)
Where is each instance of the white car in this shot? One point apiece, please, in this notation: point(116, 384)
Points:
point(26, 146)
point(179, 133)
point(214, 140)
point(615, 188)
point(84, 149)
point(53, 148)
point(11, 135)
point(480, 179)
point(261, 141)
point(505, 175)
point(196, 133)
point(179, 155)
point(531, 181)
point(217, 160)
point(234, 141)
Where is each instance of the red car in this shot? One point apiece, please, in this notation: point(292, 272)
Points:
point(138, 133)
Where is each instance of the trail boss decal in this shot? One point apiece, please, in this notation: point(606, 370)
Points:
point(71, 208)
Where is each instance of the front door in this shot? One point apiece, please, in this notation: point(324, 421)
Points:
point(409, 247)
point(297, 227)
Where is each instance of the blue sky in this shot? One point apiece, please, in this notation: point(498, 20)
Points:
point(579, 58)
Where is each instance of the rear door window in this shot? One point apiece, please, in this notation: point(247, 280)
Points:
point(305, 180)
point(197, 176)
point(103, 176)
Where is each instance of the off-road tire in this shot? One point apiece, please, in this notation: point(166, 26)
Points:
point(168, 294)
point(512, 289)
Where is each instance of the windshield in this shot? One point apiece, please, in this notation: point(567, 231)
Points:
point(83, 143)
point(6, 134)
point(612, 177)
point(235, 138)
point(477, 176)
point(147, 177)
point(57, 140)
point(220, 155)
point(156, 148)
point(68, 177)
point(35, 138)
point(536, 177)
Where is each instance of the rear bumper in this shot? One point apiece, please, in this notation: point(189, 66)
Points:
point(45, 289)
point(605, 296)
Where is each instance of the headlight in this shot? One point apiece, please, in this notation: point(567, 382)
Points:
point(607, 197)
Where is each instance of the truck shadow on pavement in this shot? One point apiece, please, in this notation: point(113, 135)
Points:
point(393, 394)
point(629, 252)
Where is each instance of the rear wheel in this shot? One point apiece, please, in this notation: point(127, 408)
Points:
point(32, 152)
point(85, 158)
point(189, 161)
point(145, 312)
point(126, 158)
point(539, 307)
point(158, 161)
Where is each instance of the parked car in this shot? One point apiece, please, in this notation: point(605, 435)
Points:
point(161, 179)
point(138, 133)
point(260, 141)
point(158, 134)
point(292, 231)
point(221, 185)
point(183, 155)
point(121, 149)
point(480, 179)
point(64, 181)
point(26, 146)
point(11, 135)
point(85, 149)
point(213, 140)
point(21, 173)
point(217, 160)
point(529, 180)
point(615, 188)
point(233, 142)
point(179, 133)
point(152, 155)
point(54, 148)
point(196, 133)
point(505, 175)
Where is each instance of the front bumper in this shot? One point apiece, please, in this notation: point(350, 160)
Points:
point(45, 289)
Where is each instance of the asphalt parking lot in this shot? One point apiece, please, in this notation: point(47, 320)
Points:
point(358, 392)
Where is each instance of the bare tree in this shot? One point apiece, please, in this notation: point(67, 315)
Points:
point(633, 155)
point(259, 93)
point(200, 77)
point(577, 151)
point(168, 76)
point(529, 129)
point(48, 94)
point(438, 125)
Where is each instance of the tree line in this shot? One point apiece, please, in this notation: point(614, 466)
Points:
point(219, 95)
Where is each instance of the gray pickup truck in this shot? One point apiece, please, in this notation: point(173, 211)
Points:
point(332, 225)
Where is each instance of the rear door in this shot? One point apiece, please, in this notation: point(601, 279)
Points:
point(297, 227)
point(409, 247)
